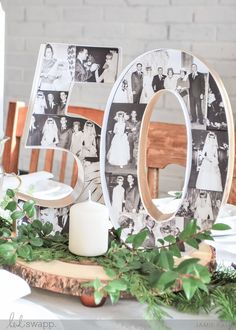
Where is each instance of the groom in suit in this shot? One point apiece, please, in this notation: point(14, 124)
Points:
point(83, 73)
point(137, 83)
point(158, 80)
point(196, 94)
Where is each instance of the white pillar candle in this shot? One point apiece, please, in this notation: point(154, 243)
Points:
point(88, 229)
point(2, 42)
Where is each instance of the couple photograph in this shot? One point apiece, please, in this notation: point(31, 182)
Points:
point(123, 136)
point(124, 194)
point(202, 205)
point(96, 64)
point(62, 64)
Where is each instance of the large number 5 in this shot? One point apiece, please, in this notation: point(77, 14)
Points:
point(210, 145)
point(49, 126)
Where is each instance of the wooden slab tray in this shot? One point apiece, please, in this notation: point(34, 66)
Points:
point(66, 277)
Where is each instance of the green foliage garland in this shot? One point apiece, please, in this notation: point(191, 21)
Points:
point(151, 276)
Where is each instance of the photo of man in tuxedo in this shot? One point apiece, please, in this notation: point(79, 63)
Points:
point(82, 72)
point(137, 83)
point(61, 109)
point(51, 105)
point(158, 80)
point(65, 134)
point(196, 94)
point(132, 197)
point(133, 129)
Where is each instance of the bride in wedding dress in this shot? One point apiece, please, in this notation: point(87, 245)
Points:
point(209, 176)
point(119, 152)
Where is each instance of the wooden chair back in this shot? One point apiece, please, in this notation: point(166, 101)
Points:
point(166, 145)
point(14, 129)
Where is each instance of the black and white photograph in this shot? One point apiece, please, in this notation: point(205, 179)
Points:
point(216, 116)
point(170, 70)
point(202, 205)
point(59, 217)
point(124, 195)
point(123, 137)
point(50, 103)
point(96, 64)
point(80, 136)
point(158, 70)
point(210, 157)
point(57, 68)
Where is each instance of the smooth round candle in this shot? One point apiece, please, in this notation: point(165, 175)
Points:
point(88, 229)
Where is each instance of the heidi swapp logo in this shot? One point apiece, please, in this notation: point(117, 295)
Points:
point(15, 322)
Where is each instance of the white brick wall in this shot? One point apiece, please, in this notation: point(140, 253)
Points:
point(206, 27)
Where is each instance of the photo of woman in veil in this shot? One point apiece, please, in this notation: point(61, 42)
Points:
point(40, 104)
point(109, 68)
point(209, 176)
point(203, 207)
point(118, 197)
point(89, 148)
point(50, 133)
point(119, 152)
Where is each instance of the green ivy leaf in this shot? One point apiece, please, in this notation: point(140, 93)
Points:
point(170, 239)
point(31, 213)
point(98, 297)
point(17, 215)
point(36, 241)
point(161, 241)
point(189, 230)
point(192, 242)
point(220, 226)
point(185, 265)
point(28, 205)
point(5, 232)
point(175, 250)
point(97, 284)
point(167, 279)
point(140, 238)
point(11, 206)
point(166, 260)
point(190, 286)
point(203, 273)
point(24, 251)
point(119, 285)
point(47, 228)
point(114, 297)
point(110, 272)
point(10, 193)
point(37, 224)
point(154, 276)
point(137, 239)
point(204, 236)
point(8, 253)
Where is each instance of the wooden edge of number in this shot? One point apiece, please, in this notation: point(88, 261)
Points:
point(65, 277)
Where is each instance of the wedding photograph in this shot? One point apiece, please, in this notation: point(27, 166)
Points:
point(123, 137)
point(202, 205)
point(216, 116)
point(209, 160)
point(96, 64)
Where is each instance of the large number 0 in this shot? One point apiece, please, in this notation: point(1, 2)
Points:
point(49, 126)
point(210, 145)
